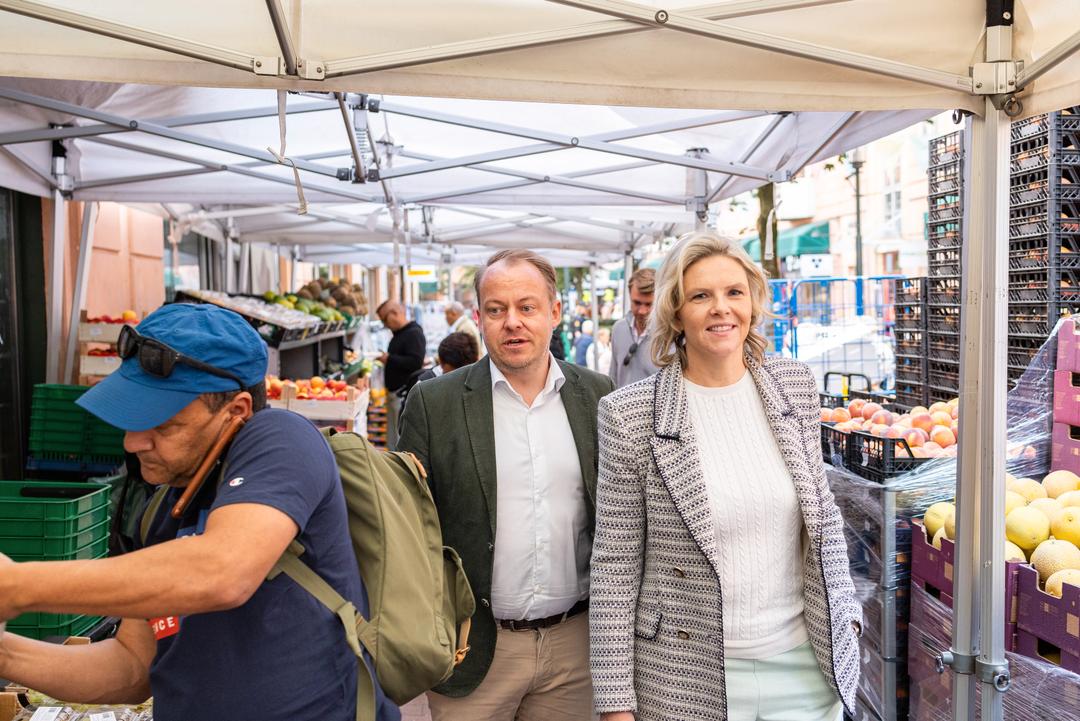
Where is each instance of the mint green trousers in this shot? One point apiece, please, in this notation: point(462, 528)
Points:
point(786, 687)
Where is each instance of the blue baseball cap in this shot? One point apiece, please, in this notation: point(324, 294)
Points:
point(134, 400)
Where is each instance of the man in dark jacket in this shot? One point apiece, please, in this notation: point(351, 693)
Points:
point(403, 357)
point(509, 444)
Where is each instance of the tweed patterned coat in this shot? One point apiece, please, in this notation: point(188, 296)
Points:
point(656, 617)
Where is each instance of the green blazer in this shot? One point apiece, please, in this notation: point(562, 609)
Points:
point(448, 423)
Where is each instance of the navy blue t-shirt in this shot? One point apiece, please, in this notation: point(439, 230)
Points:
point(282, 656)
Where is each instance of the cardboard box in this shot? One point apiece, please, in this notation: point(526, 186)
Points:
point(1048, 624)
point(1067, 397)
point(932, 570)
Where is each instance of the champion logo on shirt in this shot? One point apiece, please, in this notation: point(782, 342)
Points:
point(238, 481)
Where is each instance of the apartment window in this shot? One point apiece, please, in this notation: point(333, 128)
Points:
point(892, 199)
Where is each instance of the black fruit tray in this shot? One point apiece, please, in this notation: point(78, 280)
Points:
point(879, 459)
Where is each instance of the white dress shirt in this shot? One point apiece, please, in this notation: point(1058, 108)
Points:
point(542, 545)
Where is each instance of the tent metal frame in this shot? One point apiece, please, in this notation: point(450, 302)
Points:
point(977, 654)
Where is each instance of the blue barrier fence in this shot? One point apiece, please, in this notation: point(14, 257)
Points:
point(836, 324)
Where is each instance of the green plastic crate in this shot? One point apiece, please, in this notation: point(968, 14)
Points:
point(45, 625)
point(58, 391)
point(62, 431)
point(24, 516)
point(98, 549)
point(62, 548)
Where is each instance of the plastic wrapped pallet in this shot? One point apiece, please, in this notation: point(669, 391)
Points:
point(1039, 690)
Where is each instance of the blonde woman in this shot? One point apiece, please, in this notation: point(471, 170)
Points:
point(720, 583)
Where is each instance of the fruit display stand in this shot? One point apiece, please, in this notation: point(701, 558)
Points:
point(350, 413)
point(932, 571)
point(96, 362)
point(377, 419)
point(1039, 690)
point(877, 527)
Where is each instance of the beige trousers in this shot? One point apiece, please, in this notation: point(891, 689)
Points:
point(535, 676)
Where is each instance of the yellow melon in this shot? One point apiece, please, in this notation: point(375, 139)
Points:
point(1053, 555)
point(1027, 528)
point(1067, 575)
point(950, 525)
point(1029, 488)
point(1050, 507)
point(935, 516)
point(1070, 498)
point(1014, 552)
point(1013, 500)
point(1058, 482)
point(936, 543)
point(1010, 479)
point(1065, 525)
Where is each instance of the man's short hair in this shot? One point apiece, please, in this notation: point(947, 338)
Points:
point(216, 401)
point(644, 280)
point(455, 307)
point(521, 255)
point(458, 349)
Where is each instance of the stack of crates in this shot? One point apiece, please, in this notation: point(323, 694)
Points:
point(909, 342)
point(944, 241)
point(1044, 231)
point(64, 437)
point(45, 521)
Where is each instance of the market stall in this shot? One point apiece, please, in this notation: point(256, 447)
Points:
point(984, 58)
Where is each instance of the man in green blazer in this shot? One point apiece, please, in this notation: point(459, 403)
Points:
point(511, 452)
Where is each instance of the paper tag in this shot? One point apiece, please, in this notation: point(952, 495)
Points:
point(50, 713)
point(103, 716)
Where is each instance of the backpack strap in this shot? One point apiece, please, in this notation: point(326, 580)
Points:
point(356, 626)
point(151, 512)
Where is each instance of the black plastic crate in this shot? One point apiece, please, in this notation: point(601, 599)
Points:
point(943, 318)
point(1034, 189)
point(911, 369)
point(1028, 160)
point(946, 178)
point(1042, 286)
point(910, 290)
point(944, 235)
point(831, 400)
point(944, 291)
point(910, 394)
point(879, 459)
point(1042, 227)
point(910, 343)
point(834, 444)
point(1066, 119)
point(943, 263)
point(944, 347)
point(943, 375)
point(948, 148)
point(910, 316)
point(1030, 319)
point(943, 213)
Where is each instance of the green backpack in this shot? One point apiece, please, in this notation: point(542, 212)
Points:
point(420, 601)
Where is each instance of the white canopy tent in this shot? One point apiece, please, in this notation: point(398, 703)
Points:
point(595, 181)
point(982, 56)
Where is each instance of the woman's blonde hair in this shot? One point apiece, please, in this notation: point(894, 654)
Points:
point(667, 346)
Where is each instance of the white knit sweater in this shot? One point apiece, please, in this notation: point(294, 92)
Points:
point(759, 526)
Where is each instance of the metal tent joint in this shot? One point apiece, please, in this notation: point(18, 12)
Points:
point(991, 673)
point(996, 78)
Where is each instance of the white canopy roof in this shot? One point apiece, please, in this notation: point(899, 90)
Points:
point(746, 54)
point(592, 180)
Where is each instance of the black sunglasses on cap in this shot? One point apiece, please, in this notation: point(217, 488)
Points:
point(158, 359)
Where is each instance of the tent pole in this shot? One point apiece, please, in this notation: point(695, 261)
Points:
point(56, 282)
point(595, 305)
point(978, 635)
point(628, 269)
point(78, 300)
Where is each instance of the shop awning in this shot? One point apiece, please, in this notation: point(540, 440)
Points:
point(802, 240)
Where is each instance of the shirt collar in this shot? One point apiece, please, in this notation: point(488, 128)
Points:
point(457, 323)
point(554, 383)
